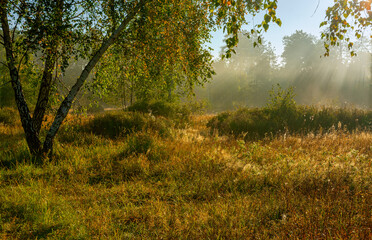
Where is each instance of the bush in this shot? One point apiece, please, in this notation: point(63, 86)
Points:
point(283, 115)
point(8, 116)
point(258, 123)
point(116, 124)
point(174, 111)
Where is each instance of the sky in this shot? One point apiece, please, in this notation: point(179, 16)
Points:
point(303, 15)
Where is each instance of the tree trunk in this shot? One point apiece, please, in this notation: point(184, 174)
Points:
point(32, 139)
point(46, 81)
point(67, 102)
point(44, 92)
point(370, 82)
point(31, 133)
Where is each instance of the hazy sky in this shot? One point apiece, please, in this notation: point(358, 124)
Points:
point(295, 15)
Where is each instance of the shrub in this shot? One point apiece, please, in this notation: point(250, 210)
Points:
point(258, 123)
point(140, 106)
point(177, 112)
point(116, 124)
point(8, 116)
point(283, 115)
point(282, 101)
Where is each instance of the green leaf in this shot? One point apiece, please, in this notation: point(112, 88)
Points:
point(323, 24)
point(279, 22)
point(267, 18)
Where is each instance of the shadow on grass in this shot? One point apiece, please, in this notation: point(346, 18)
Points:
point(18, 220)
point(12, 158)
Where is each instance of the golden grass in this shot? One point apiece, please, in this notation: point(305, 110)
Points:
point(190, 185)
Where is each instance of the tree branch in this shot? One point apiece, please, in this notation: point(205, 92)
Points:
point(15, 27)
point(6, 65)
point(20, 14)
point(23, 56)
point(316, 9)
point(5, 84)
point(76, 16)
point(67, 102)
point(68, 90)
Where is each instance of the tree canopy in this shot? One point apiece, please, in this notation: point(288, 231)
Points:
point(59, 30)
point(163, 38)
point(344, 17)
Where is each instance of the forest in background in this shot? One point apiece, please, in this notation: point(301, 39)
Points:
point(247, 78)
point(244, 80)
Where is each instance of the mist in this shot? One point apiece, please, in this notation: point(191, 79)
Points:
point(246, 79)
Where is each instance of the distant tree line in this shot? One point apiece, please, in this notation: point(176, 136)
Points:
point(247, 77)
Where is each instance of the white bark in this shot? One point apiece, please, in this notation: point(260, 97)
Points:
point(67, 102)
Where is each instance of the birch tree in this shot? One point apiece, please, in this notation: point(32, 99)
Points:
point(61, 29)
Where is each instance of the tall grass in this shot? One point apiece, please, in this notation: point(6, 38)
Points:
point(187, 185)
point(259, 123)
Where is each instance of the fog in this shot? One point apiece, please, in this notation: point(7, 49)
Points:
point(248, 76)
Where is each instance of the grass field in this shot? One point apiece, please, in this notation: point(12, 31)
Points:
point(186, 183)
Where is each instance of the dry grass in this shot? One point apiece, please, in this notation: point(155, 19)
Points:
point(190, 185)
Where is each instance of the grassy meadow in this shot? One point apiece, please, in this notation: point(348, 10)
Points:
point(140, 176)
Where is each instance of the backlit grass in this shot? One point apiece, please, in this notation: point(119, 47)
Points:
point(186, 184)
